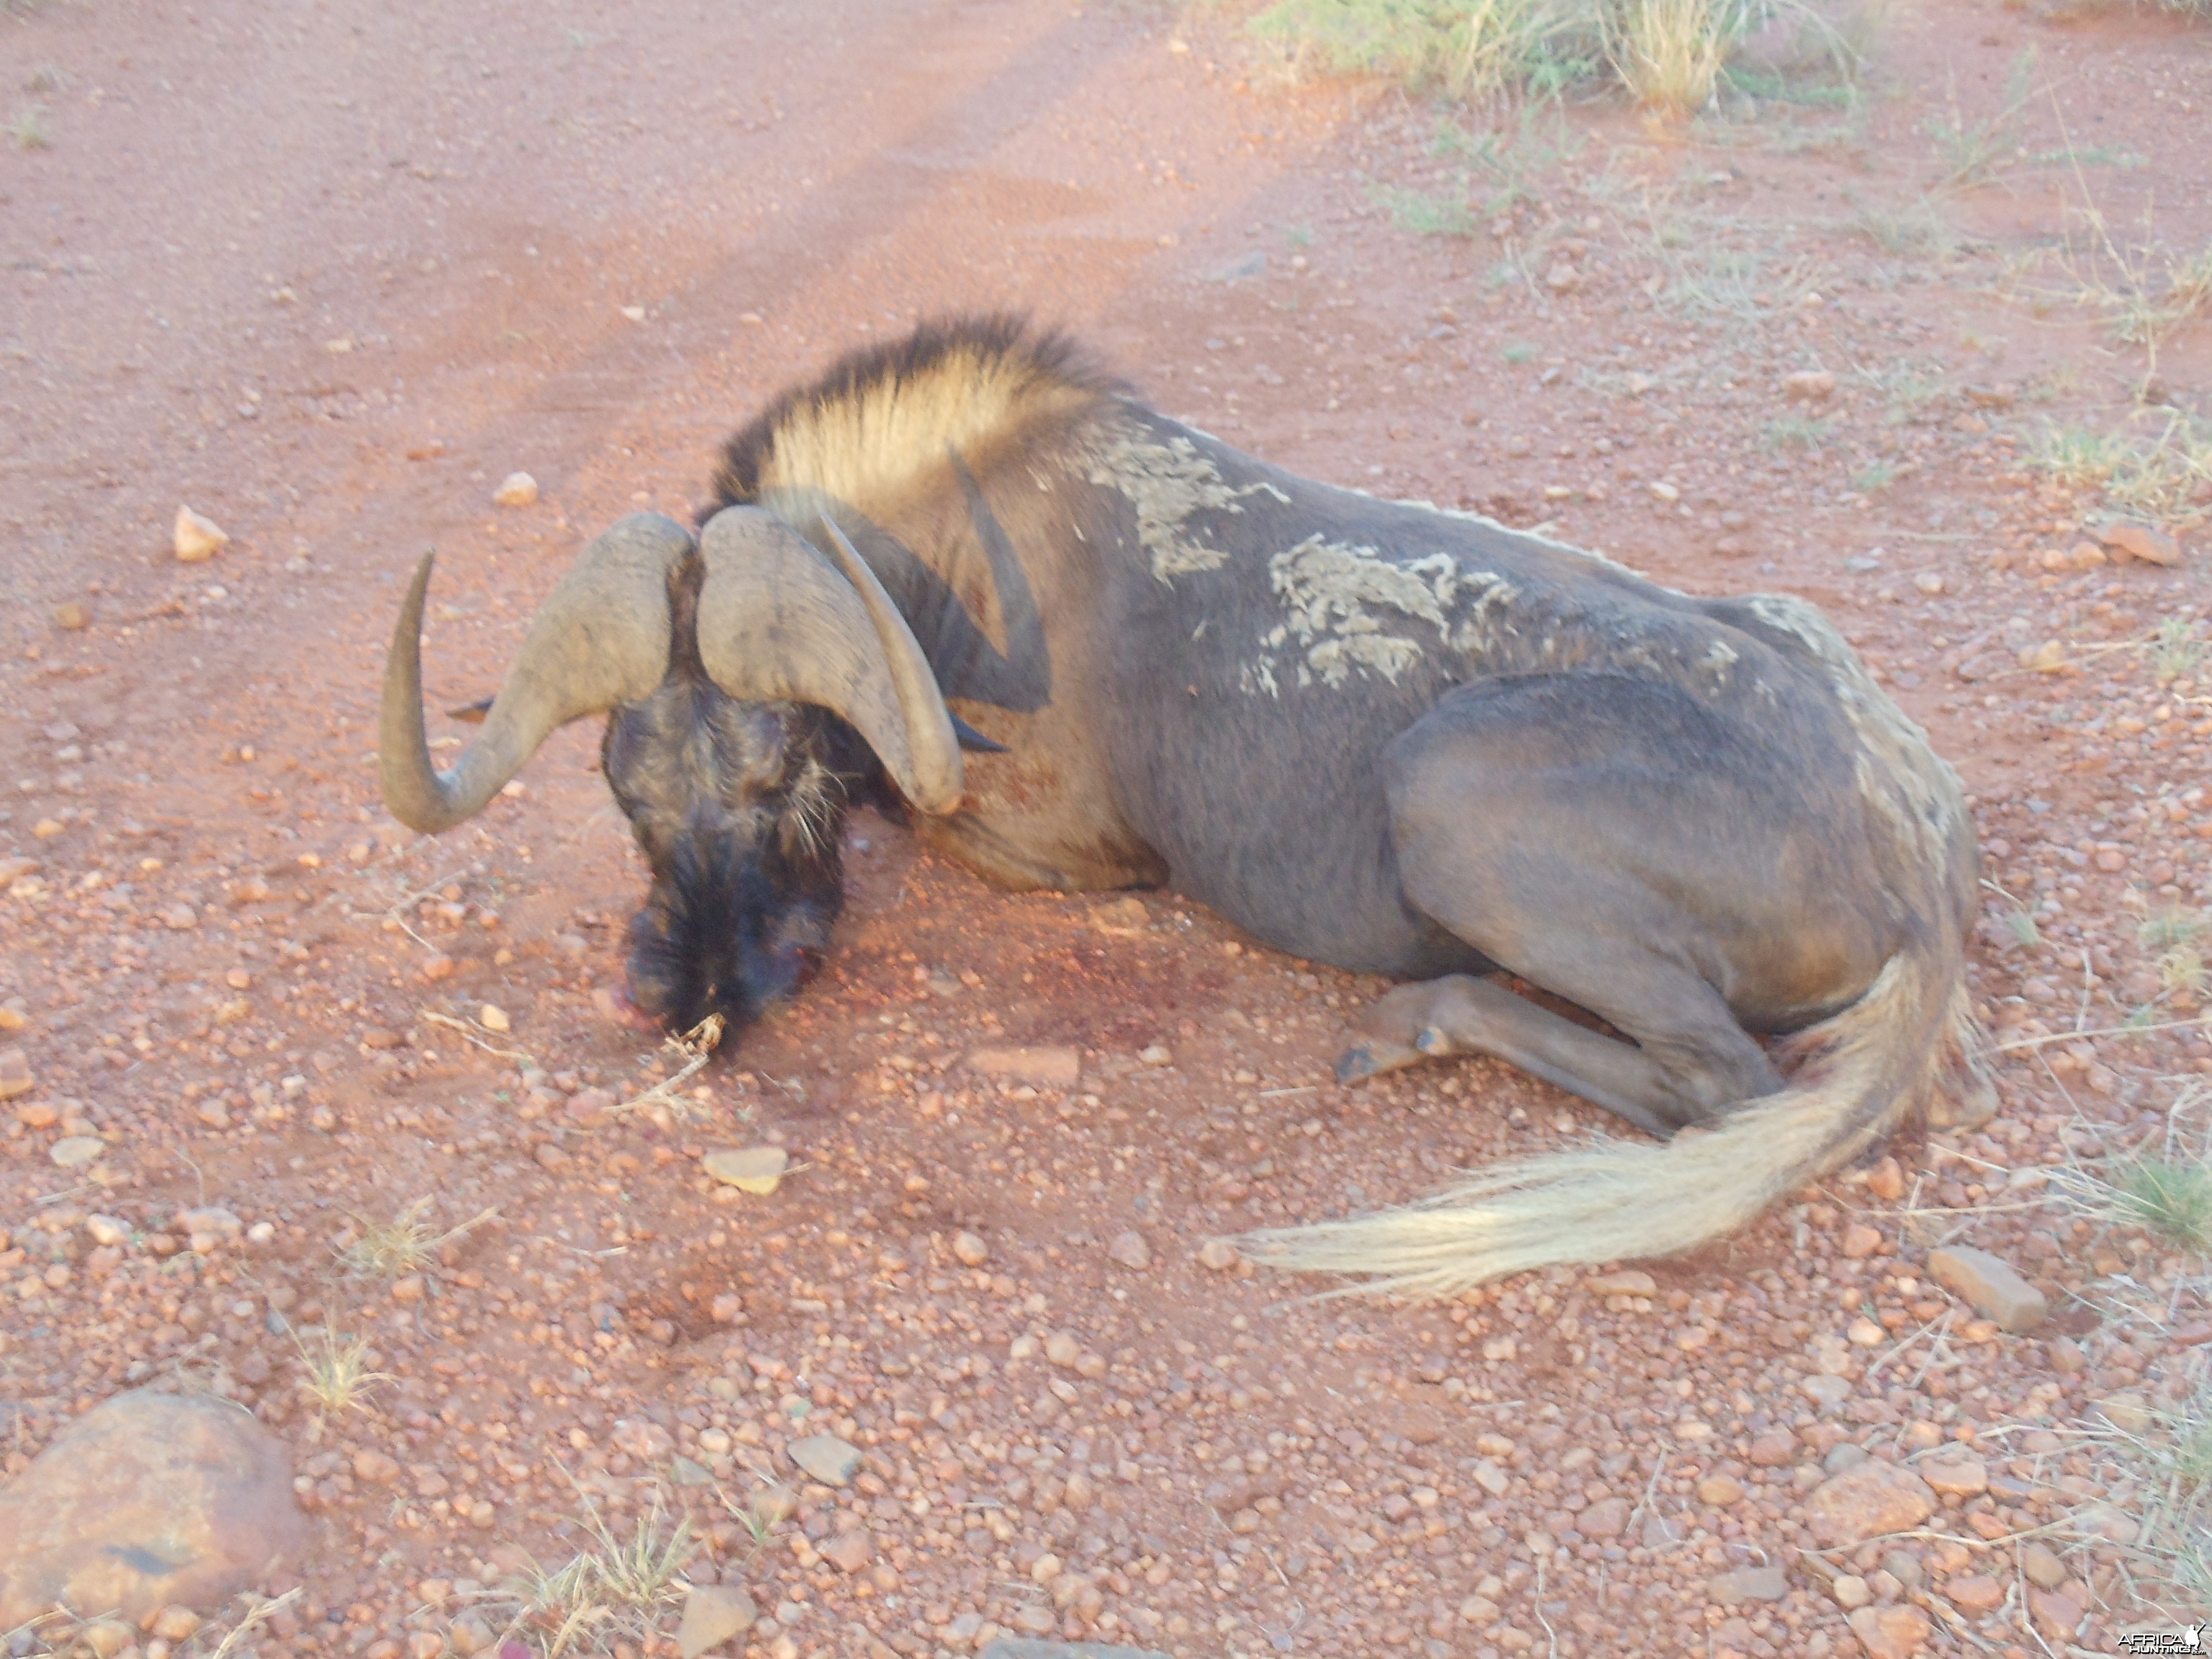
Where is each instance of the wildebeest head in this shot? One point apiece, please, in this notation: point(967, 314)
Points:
point(737, 671)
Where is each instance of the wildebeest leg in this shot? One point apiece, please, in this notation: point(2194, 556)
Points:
point(1621, 845)
point(1460, 1014)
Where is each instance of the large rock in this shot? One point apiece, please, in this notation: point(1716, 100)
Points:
point(1865, 1501)
point(151, 1500)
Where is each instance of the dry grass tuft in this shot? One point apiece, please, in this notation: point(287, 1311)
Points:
point(390, 1249)
point(339, 1376)
point(1669, 52)
point(614, 1589)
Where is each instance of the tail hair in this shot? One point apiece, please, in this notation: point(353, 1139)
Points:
point(1868, 1068)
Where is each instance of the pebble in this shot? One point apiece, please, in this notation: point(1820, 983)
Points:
point(106, 1230)
point(1808, 385)
point(1720, 1491)
point(141, 1481)
point(2128, 1412)
point(1051, 1068)
point(1157, 1054)
point(1825, 1391)
point(71, 617)
point(1886, 1180)
point(1773, 1449)
point(197, 539)
point(1991, 1284)
point(1861, 1241)
point(180, 918)
point(1606, 1518)
point(1130, 1249)
point(1629, 1281)
point(107, 1638)
point(2058, 1617)
point(970, 1250)
point(75, 1152)
point(850, 1550)
point(1895, 1632)
point(1867, 1499)
point(15, 1075)
point(2043, 1565)
point(713, 1613)
point(1851, 1592)
point(516, 490)
point(1748, 1584)
point(494, 1018)
point(1125, 917)
point(832, 1461)
point(1963, 1477)
point(750, 1169)
point(173, 1623)
point(1219, 1254)
point(1023, 1647)
point(1974, 1593)
point(2140, 541)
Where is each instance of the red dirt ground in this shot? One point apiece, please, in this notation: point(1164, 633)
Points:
point(329, 274)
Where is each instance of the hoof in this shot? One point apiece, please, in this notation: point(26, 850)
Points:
point(1356, 1066)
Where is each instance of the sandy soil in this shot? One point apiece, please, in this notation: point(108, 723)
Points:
point(329, 275)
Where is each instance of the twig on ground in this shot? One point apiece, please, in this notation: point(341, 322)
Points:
point(698, 1043)
point(468, 1034)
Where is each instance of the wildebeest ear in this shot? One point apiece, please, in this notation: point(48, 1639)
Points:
point(470, 714)
point(971, 739)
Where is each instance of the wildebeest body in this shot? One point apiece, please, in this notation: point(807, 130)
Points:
point(1372, 734)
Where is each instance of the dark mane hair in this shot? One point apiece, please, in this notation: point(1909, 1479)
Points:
point(1040, 360)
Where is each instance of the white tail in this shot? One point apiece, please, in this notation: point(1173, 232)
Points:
point(1875, 1062)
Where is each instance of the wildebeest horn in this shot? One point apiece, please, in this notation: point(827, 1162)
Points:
point(601, 638)
point(776, 622)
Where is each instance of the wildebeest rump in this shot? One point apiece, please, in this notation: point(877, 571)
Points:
point(1373, 733)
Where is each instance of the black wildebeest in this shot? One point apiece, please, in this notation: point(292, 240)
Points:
point(1398, 739)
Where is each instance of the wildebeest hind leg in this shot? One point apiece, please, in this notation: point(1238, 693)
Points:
point(1461, 1015)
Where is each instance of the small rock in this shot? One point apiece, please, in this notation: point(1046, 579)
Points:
point(376, 1468)
point(1125, 917)
point(832, 1461)
point(1748, 1584)
point(1606, 1518)
point(1869, 1499)
point(75, 1152)
point(173, 1623)
point(516, 490)
point(1886, 1180)
point(106, 1638)
point(106, 1230)
point(1974, 1593)
point(713, 1613)
point(971, 1251)
point(1046, 1068)
point(1860, 1241)
point(493, 1018)
point(1219, 1254)
point(1157, 1054)
point(37, 1115)
point(1825, 1391)
point(1130, 1249)
point(1851, 1592)
point(142, 1481)
point(2043, 1566)
point(1774, 1448)
point(2127, 1412)
point(1991, 1284)
point(850, 1550)
point(750, 1169)
point(470, 1635)
point(15, 1076)
point(1629, 1281)
point(197, 539)
point(1962, 1477)
point(1023, 1647)
point(2058, 1617)
point(1720, 1491)
point(2140, 541)
point(180, 918)
point(71, 616)
point(1808, 385)
point(590, 1106)
point(1896, 1633)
